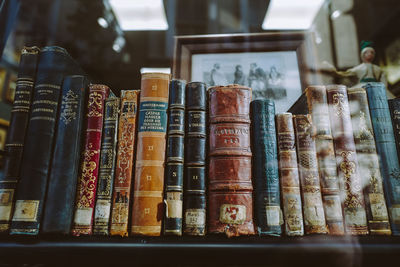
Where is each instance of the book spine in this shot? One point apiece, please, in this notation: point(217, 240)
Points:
point(108, 153)
point(53, 63)
point(195, 160)
point(173, 198)
point(394, 108)
point(289, 175)
point(64, 168)
point(16, 133)
point(318, 108)
point(386, 148)
point(87, 182)
point(314, 217)
point(124, 168)
point(346, 159)
point(265, 168)
point(368, 163)
point(230, 183)
point(147, 206)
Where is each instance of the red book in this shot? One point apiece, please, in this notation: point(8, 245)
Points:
point(87, 183)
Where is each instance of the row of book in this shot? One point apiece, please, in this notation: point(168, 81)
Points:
point(178, 158)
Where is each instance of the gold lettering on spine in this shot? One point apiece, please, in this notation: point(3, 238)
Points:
point(87, 185)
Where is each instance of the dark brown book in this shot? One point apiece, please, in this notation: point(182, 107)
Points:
point(230, 183)
point(314, 216)
point(289, 175)
point(350, 183)
point(368, 162)
point(318, 108)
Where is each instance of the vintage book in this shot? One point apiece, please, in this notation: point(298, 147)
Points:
point(289, 175)
point(313, 209)
point(230, 183)
point(124, 165)
point(386, 148)
point(350, 182)
point(108, 152)
point(195, 160)
point(54, 63)
point(87, 181)
point(318, 108)
point(16, 133)
point(173, 197)
point(268, 213)
point(368, 163)
point(59, 204)
point(394, 108)
point(147, 209)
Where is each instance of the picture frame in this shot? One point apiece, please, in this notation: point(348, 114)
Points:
point(289, 55)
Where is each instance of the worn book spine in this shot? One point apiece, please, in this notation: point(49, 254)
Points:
point(87, 182)
point(108, 153)
point(313, 210)
point(59, 208)
point(350, 182)
point(54, 63)
point(195, 160)
point(124, 165)
point(230, 178)
point(173, 197)
point(147, 209)
point(267, 206)
point(386, 148)
point(16, 133)
point(289, 175)
point(368, 163)
point(318, 108)
point(394, 108)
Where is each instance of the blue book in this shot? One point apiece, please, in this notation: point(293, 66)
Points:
point(386, 148)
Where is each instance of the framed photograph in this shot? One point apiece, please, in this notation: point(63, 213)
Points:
point(276, 65)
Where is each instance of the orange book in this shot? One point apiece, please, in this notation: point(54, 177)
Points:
point(147, 210)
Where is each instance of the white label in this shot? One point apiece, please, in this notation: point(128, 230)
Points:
point(102, 209)
point(378, 207)
point(313, 209)
point(333, 209)
point(273, 215)
point(83, 216)
point(26, 210)
point(355, 218)
point(395, 213)
point(195, 218)
point(234, 214)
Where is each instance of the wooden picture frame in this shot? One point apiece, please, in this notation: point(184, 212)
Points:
point(298, 46)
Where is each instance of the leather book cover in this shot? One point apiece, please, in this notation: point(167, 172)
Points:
point(368, 163)
point(16, 133)
point(386, 148)
point(124, 165)
point(318, 108)
point(87, 182)
point(173, 197)
point(267, 206)
point(54, 63)
point(289, 175)
point(230, 195)
point(195, 160)
point(350, 182)
point(394, 108)
point(108, 152)
point(148, 206)
point(58, 208)
point(313, 209)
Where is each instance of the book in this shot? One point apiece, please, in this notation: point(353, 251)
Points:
point(368, 163)
point(289, 175)
point(195, 160)
point(54, 63)
point(350, 183)
point(317, 106)
point(313, 209)
point(386, 148)
point(147, 208)
point(173, 197)
point(125, 163)
point(267, 206)
point(58, 212)
point(108, 152)
point(14, 145)
point(87, 181)
point(394, 108)
point(230, 185)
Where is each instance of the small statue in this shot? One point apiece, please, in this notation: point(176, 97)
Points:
point(364, 72)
